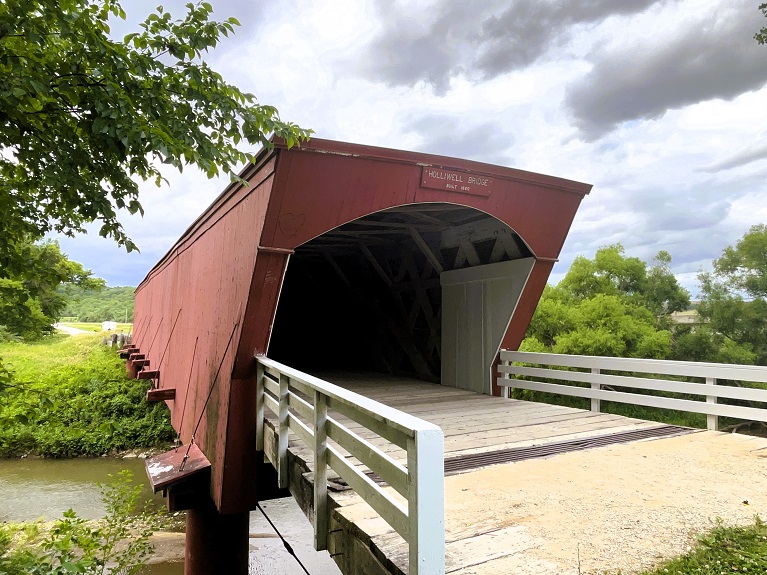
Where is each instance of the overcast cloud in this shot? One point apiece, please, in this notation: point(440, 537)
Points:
point(479, 39)
point(714, 56)
point(659, 104)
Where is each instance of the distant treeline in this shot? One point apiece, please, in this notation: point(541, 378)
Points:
point(109, 304)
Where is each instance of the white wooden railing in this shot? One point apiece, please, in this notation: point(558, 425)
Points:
point(292, 396)
point(708, 372)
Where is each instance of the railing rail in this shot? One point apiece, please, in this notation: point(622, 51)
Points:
point(292, 396)
point(710, 372)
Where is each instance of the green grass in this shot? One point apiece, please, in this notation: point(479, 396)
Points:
point(722, 551)
point(96, 327)
point(32, 361)
point(71, 396)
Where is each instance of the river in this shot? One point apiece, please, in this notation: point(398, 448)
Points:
point(45, 488)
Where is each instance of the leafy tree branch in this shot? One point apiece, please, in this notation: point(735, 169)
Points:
point(82, 115)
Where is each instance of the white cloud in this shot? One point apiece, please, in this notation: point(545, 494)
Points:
point(677, 131)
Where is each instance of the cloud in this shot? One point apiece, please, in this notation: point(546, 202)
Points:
point(715, 56)
point(742, 158)
point(448, 135)
point(481, 40)
point(526, 30)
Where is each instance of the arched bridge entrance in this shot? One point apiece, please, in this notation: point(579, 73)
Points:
point(425, 290)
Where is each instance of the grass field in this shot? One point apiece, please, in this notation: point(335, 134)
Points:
point(33, 361)
point(96, 327)
point(723, 551)
point(71, 396)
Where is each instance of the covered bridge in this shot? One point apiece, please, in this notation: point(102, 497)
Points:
point(333, 257)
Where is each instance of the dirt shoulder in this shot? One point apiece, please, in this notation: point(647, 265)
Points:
point(623, 507)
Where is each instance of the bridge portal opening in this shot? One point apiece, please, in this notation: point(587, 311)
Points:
point(424, 290)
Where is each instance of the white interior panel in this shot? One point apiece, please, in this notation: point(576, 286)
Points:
point(477, 306)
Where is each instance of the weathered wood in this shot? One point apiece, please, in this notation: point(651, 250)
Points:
point(657, 366)
point(165, 394)
point(320, 472)
point(750, 413)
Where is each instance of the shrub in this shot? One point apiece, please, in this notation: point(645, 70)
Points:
point(71, 397)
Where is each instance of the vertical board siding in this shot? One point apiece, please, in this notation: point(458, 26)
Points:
point(206, 279)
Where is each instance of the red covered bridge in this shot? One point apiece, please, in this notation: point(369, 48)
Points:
point(335, 258)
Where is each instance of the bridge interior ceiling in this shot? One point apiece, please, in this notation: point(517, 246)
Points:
point(367, 296)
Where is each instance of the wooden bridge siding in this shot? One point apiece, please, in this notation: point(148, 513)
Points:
point(208, 275)
point(228, 267)
point(325, 190)
point(317, 192)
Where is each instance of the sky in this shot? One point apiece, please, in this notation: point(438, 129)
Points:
point(658, 104)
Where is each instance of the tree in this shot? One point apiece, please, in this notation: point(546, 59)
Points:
point(611, 305)
point(109, 304)
point(734, 295)
point(761, 36)
point(611, 272)
point(32, 301)
point(83, 116)
point(745, 266)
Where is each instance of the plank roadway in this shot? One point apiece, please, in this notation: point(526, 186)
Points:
point(472, 423)
point(476, 423)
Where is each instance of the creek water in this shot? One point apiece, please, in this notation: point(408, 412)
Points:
point(43, 488)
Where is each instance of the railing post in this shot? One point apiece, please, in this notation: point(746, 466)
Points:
point(320, 472)
point(712, 421)
point(506, 390)
point(596, 404)
point(426, 503)
point(259, 406)
point(282, 445)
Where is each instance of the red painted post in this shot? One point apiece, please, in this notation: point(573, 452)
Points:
point(216, 543)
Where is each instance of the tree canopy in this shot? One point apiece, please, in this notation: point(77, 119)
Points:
point(32, 301)
point(615, 305)
point(84, 117)
point(109, 304)
point(734, 295)
point(611, 305)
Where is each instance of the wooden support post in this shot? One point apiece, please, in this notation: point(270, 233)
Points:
point(216, 543)
point(282, 446)
point(376, 266)
point(596, 404)
point(712, 421)
point(426, 250)
point(320, 472)
point(149, 373)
